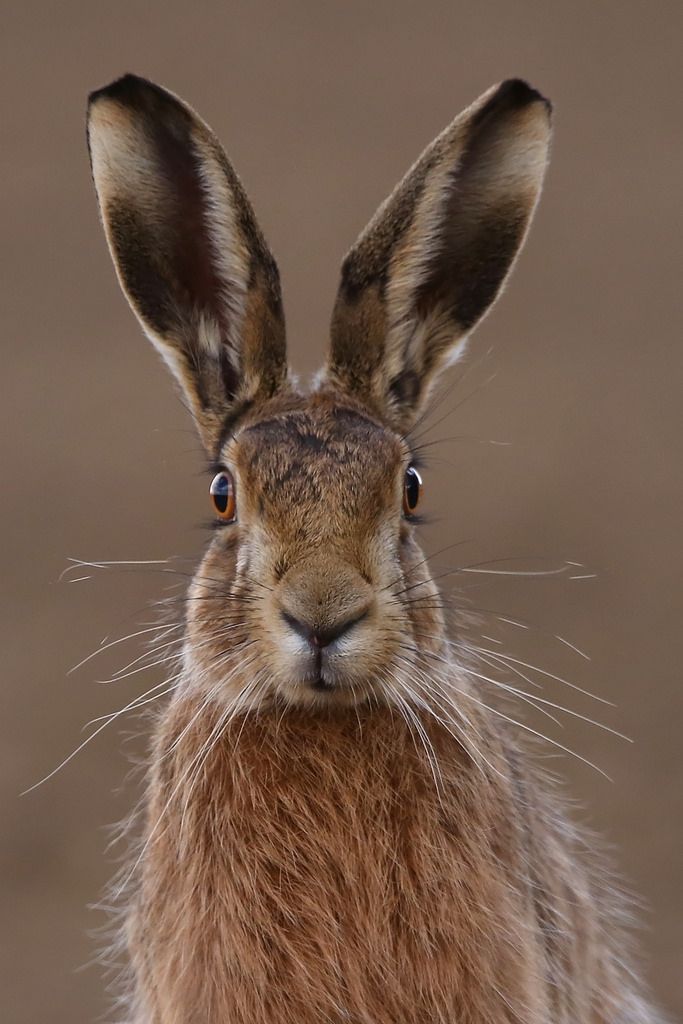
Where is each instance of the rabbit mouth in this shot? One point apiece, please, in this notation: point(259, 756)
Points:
point(320, 677)
point(338, 678)
point(317, 678)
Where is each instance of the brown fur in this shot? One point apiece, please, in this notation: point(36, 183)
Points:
point(343, 832)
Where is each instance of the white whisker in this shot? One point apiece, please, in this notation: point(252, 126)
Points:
point(113, 643)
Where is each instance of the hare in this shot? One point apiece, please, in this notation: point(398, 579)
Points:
point(337, 828)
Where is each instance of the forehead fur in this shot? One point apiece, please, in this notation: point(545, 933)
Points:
point(317, 451)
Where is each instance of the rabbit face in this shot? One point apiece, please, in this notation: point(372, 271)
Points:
point(311, 572)
point(318, 591)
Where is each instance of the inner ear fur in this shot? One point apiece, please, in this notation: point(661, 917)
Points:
point(188, 251)
point(436, 254)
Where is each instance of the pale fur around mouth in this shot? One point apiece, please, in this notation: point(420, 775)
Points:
point(332, 687)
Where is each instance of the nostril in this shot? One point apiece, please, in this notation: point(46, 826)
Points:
point(301, 628)
point(319, 636)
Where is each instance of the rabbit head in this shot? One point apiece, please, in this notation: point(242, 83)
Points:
point(313, 590)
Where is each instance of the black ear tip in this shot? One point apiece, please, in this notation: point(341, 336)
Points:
point(515, 93)
point(126, 90)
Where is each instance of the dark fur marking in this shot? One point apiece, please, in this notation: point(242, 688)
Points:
point(230, 422)
point(406, 387)
point(144, 278)
point(356, 276)
point(470, 270)
point(295, 428)
point(351, 418)
point(229, 375)
point(294, 471)
point(513, 94)
point(312, 442)
point(280, 567)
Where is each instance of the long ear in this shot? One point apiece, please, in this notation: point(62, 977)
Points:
point(437, 252)
point(188, 252)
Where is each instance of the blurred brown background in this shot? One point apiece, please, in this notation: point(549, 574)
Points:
point(322, 107)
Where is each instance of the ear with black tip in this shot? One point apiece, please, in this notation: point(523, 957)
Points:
point(188, 251)
point(436, 254)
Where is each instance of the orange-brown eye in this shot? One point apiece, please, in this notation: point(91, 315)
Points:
point(222, 493)
point(412, 489)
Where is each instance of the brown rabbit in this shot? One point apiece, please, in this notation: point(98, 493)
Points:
point(337, 828)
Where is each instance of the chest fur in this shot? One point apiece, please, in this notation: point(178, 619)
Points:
point(328, 870)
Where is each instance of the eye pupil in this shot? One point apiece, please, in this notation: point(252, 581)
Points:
point(412, 488)
point(222, 493)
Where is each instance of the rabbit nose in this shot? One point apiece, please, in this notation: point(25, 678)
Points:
point(319, 636)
